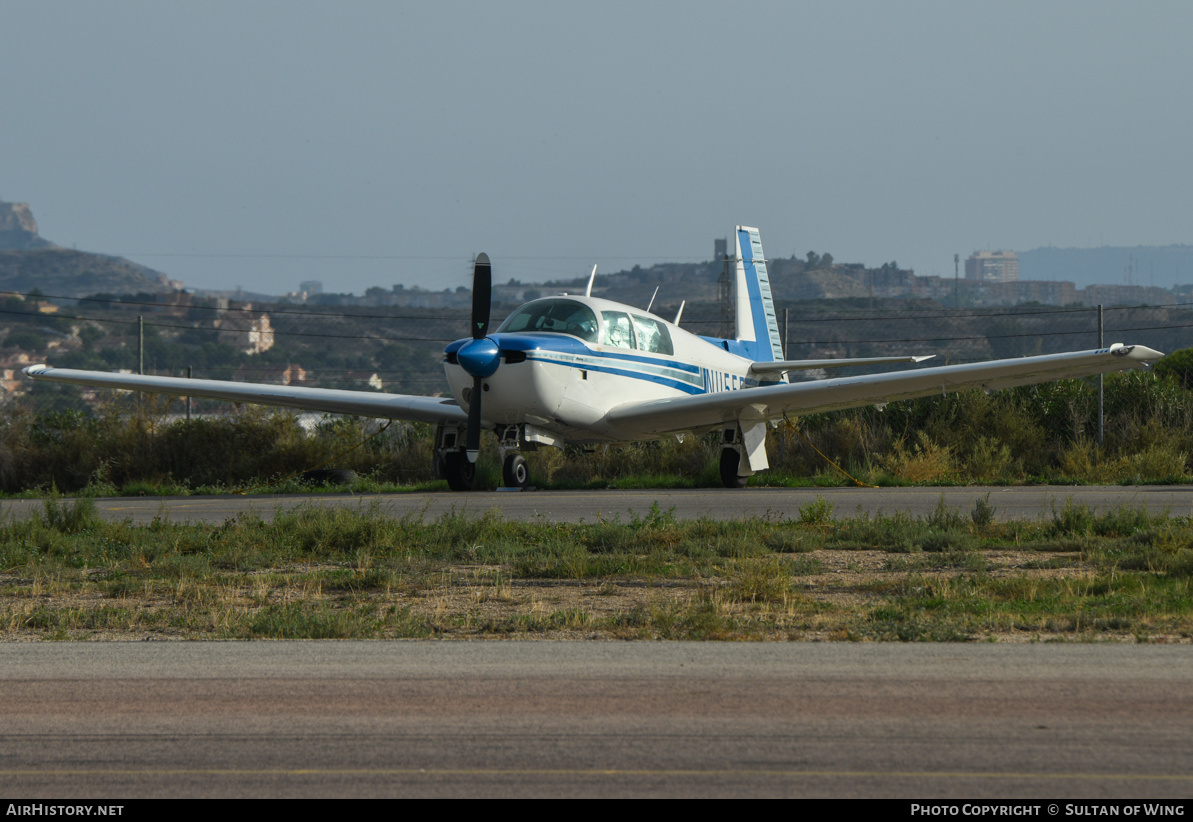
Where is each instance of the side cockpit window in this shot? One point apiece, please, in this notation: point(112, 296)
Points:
point(554, 317)
point(618, 330)
point(653, 336)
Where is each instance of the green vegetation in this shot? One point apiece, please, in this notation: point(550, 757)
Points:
point(1036, 434)
point(1076, 575)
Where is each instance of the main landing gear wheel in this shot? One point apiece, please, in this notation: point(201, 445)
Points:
point(730, 459)
point(514, 473)
point(458, 471)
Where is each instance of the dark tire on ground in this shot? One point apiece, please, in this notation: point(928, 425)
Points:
point(729, 462)
point(329, 476)
point(458, 471)
point(514, 473)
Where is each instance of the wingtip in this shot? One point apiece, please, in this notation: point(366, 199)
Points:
point(1141, 353)
point(35, 370)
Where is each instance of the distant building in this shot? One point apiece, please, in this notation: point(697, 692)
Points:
point(11, 382)
point(1126, 295)
point(311, 286)
point(250, 332)
point(369, 378)
point(1024, 291)
point(992, 267)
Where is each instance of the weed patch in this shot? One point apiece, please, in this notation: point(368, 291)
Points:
point(343, 573)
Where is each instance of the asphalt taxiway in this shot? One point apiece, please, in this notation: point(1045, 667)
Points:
point(1018, 502)
point(268, 719)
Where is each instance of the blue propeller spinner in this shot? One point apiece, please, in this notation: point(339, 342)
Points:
point(479, 358)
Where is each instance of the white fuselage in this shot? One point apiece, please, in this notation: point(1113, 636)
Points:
point(566, 385)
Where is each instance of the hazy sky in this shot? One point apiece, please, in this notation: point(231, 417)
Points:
point(369, 143)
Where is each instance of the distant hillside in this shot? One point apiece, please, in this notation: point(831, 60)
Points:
point(790, 279)
point(67, 273)
point(28, 261)
point(1162, 266)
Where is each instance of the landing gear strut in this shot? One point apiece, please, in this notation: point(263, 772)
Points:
point(451, 461)
point(511, 441)
point(731, 458)
point(451, 458)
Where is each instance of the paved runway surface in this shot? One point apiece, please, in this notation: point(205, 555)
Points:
point(265, 719)
point(589, 506)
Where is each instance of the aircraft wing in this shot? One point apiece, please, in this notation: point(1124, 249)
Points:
point(332, 401)
point(783, 366)
point(770, 402)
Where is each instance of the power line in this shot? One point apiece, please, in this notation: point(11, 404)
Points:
point(463, 312)
point(275, 332)
point(1039, 334)
point(677, 258)
point(377, 338)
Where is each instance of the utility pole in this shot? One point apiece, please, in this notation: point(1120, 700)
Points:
point(1101, 344)
point(140, 343)
point(956, 280)
point(726, 283)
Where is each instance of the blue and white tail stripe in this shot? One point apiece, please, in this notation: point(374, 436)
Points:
point(757, 327)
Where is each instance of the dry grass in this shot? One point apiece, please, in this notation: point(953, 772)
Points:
point(1125, 576)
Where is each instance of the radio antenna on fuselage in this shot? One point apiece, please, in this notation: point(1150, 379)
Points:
point(591, 277)
point(652, 296)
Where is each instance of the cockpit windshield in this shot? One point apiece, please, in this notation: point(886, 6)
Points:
point(554, 316)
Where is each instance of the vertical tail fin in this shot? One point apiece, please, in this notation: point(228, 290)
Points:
point(757, 327)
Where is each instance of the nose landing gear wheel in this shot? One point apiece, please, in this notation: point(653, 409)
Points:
point(514, 473)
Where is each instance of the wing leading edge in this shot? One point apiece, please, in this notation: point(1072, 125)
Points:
point(332, 401)
point(770, 402)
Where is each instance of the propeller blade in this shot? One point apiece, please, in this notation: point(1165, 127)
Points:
point(482, 291)
point(472, 440)
point(484, 363)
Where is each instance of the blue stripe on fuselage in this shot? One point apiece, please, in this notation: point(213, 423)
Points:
point(676, 364)
point(565, 344)
point(560, 349)
point(687, 388)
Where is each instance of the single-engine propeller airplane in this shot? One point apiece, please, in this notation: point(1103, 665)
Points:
point(578, 369)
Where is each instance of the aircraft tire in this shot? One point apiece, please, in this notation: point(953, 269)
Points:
point(329, 476)
point(458, 471)
point(729, 462)
point(514, 473)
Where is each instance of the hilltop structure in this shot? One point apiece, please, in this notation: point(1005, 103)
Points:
point(992, 267)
